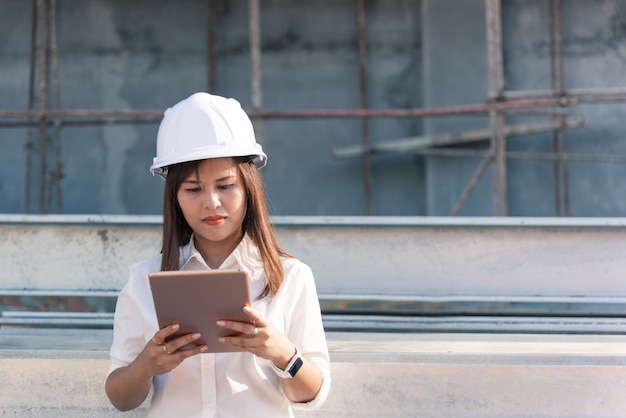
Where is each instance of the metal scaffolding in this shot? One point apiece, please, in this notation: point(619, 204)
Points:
point(553, 103)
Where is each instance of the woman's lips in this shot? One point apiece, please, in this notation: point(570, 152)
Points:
point(213, 220)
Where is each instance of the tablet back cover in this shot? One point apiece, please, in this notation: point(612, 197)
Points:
point(197, 299)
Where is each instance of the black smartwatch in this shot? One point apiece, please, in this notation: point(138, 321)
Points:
point(292, 367)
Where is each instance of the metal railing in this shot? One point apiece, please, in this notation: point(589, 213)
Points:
point(366, 312)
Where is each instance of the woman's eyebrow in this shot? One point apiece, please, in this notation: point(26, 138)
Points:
point(225, 178)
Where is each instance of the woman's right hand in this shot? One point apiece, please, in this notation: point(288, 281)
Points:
point(127, 387)
point(162, 357)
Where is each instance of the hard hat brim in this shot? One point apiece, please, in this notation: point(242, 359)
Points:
point(159, 167)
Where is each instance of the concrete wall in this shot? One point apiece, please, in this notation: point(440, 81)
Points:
point(429, 53)
point(393, 256)
point(374, 375)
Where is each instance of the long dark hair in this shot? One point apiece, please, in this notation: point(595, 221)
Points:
point(177, 232)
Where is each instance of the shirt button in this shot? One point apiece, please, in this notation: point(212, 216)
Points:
point(208, 366)
point(209, 407)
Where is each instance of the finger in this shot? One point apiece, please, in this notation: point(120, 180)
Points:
point(164, 360)
point(254, 316)
point(243, 341)
point(162, 334)
point(183, 354)
point(244, 328)
point(177, 343)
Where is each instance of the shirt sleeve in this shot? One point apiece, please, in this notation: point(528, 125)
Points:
point(128, 332)
point(304, 327)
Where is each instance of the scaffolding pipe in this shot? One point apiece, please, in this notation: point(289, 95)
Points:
point(31, 105)
point(255, 62)
point(581, 95)
point(81, 113)
point(82, 122)
point(365, 139)
point(558, 29)
point(56, 90)
point(472, 109)
point(43, 99)
point(455, 138)
point(553, 83)
point(557, 84)
point(496, 87)
point(519, 155)
point(212, 46)
point(480, 170)
point(155, 115)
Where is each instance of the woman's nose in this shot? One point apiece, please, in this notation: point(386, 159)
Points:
point(212, 200)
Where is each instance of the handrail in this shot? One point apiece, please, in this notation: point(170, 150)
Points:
point(365, 323)
point(338, 221)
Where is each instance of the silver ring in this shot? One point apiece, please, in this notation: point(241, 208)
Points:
point(255, 332)
point(165, 349)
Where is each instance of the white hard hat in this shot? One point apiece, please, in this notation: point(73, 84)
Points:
point(205, 126)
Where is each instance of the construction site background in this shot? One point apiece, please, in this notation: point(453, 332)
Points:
point(485, 136)
point(388, 108)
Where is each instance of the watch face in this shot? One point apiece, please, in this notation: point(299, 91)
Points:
point(295, 367)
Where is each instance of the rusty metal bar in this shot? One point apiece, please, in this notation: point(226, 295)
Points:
point(480, 170)
point(31, 104)
point(494, 49)
point(582, 95)
point(81, 113)
point(573, 98)
point(212, 46)
point(21, 123)
point(473, 109)
point(43, 99)
point(547, 100)
point(56, 91)
point(455, 138)
point(552, 46)
point(582, 98)
point(500, 204)
point(558, 36)
point(255, 63)
point(555, 136)
point(588, 158)
point(520, 155)
point(496, 87)
point(365, 141)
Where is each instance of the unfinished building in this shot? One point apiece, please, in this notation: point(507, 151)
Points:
point(479, 108)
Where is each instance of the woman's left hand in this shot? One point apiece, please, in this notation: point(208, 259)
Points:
point(260, 338)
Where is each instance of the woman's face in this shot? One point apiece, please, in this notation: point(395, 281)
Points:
point(213, 203)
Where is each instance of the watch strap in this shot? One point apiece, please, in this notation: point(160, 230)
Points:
point(292, 367)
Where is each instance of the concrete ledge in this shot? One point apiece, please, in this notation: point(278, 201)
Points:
point(418, 256)
point(374, 375)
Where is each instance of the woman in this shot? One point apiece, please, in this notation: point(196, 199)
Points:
point(215, 217)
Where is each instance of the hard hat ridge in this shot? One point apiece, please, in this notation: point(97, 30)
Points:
point(205, 126)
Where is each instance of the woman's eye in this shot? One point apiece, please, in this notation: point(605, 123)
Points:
point(225, 186)
point(193, 189)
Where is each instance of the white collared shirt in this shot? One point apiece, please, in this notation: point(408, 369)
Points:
point(225, 384)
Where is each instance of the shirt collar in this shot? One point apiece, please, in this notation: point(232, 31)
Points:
point(245, 256)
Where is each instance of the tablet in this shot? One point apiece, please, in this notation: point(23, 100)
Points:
point(198, 299)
